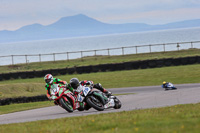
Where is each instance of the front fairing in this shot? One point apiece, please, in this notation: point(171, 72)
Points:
point(170, 85)
point(83, 92)
point(54, 89)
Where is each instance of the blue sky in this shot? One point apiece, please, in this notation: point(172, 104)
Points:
point(17, 13)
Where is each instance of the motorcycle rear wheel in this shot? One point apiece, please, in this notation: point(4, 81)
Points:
point(66, 105)
point(118, 103)
point(96, 105)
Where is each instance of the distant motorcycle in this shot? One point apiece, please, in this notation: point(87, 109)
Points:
point(169, 86)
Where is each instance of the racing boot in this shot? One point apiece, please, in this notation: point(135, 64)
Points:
point(99, 87)
point(108, 93)
point(55, 102)
point(82, 107)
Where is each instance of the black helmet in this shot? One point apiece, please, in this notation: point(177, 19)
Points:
point(74, 82)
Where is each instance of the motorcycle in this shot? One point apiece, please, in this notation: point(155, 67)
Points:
point(96, 99)
point(169, 86)
point(65, 98)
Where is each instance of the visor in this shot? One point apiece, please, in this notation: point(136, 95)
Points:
point(47, 80)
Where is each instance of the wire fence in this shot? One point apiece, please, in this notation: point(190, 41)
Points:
point(17, 59)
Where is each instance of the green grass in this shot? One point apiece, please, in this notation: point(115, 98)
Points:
point(174, 119)
point(116, 79)
point(97, 60)
point(24, 106)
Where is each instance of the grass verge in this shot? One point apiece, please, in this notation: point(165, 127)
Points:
point(24, 106)
point(179, 118)
point(116, 79)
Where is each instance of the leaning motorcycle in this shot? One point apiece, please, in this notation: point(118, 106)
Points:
point(65, 98)
point(170, 86)
point(96, 99)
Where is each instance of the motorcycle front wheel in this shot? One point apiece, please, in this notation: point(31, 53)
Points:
point(66, 105)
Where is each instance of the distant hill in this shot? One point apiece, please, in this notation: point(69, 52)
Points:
point(81, 25)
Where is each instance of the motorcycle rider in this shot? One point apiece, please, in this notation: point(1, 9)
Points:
point(74, 83)
point(51, 81)
point(164, 85)
point(168, 85)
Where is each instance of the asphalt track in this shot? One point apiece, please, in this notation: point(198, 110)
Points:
point(144, 97)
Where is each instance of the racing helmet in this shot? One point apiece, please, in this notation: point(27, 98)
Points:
point(74, 82)
point(164, 82)
point(48, 79)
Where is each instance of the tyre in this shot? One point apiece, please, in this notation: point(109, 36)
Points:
point(66, 105)
point(118, 103)
point(81, 108)
point(95, 103)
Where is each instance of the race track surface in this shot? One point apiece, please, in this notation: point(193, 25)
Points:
point(144, 97)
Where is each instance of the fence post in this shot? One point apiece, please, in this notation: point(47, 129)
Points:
point(108, 52)
point(95, 52)
point(26, 59)
point(150, 48)
point(122, 50)
point(67, 56)
point(54, 57)
point(40, 57)
point(81, 54)
point(178, 46)
point(164, 47)
point(12, 59)
point(191, 44)
point(136, 49)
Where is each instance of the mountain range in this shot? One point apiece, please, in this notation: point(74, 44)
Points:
point(81, 25)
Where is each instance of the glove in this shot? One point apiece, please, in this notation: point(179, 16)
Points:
point(89, 83)
point(66, 85)
point(75, 92)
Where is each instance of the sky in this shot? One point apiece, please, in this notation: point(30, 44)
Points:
point(15, 14)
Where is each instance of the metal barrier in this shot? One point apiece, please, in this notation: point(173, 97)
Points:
point(16, 59)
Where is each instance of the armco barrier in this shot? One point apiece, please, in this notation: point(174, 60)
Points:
point(176, 62)
point(8, 101)
point(6, 76)
point(144, 64)
point(136, 65)
point(168, 62)
point(184, 60)
point(128, 65)
point(71, 70)
point(62, 71)
point(38, 74)
point(160, 63)
point(154, 63)
point(198, 59)
point(192, 60)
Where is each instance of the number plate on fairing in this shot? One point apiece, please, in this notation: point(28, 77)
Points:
point(54, 89)
point(80, 98)
point(86, 90)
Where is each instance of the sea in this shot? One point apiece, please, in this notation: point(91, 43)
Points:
point(112, 44)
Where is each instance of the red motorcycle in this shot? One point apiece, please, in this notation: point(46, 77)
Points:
point(65, 98)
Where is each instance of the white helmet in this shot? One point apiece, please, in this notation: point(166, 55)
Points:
point(48, 79)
